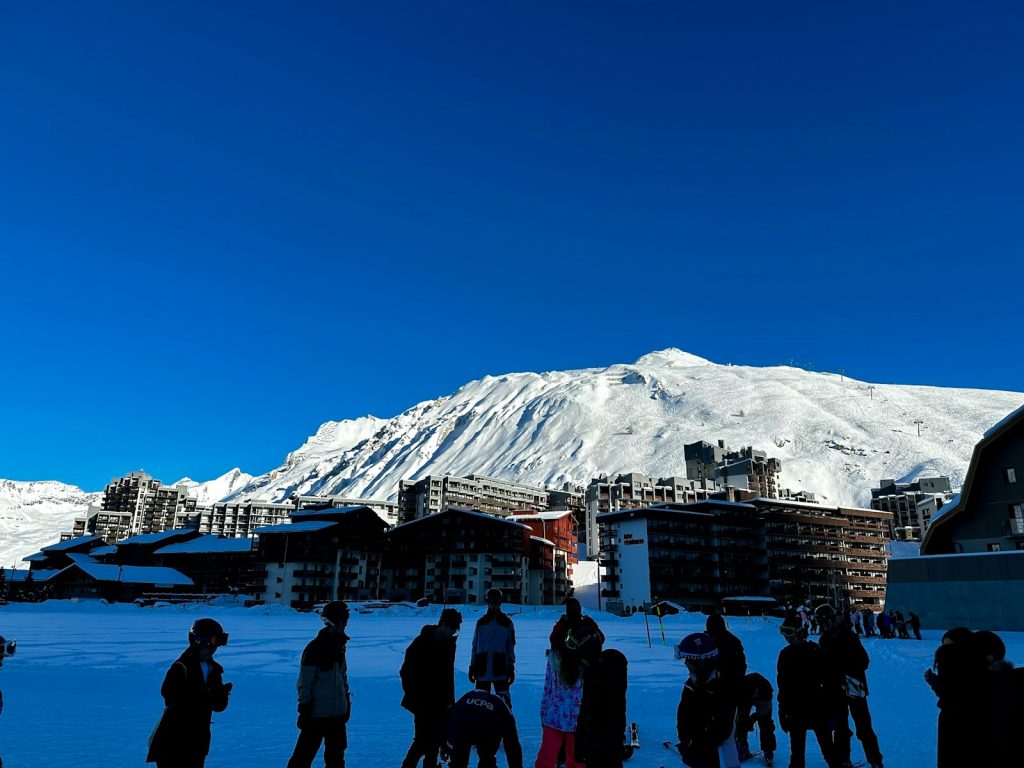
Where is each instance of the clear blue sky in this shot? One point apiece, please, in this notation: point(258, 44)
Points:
point(222, 224)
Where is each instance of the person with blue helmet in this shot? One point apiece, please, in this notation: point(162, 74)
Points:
point(707, 709)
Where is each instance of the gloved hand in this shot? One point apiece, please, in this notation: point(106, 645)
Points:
point(511, 675)
point(227, 688)
point(472, 677)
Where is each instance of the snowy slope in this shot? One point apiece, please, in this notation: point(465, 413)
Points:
point(835, 436)
point(217, 489)
point(32, 515)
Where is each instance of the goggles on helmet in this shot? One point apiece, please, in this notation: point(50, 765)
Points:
point(7, 647)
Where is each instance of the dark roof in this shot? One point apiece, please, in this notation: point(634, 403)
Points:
point(306, 526)
point(156, 538)
point(71, 543)
point(332, 511)
point(460, 510)
point(941, 523)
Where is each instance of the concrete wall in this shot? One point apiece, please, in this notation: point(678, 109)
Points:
point(980, 591)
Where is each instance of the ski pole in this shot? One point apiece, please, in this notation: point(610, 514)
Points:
point(646, 608)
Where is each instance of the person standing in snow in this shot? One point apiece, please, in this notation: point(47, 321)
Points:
point(706, 717)
point(7, 648)
point(915, 625)
point(428, 685)
point(483, 720)
point(884, 625)
point(493, 659)
point(193, 689)
point(732, 669)
point(847, 663)
point(955, 677)
point(325, 703)
point(901, 626)
point(858, 625)
point(869, 622)
point(999, 703)
point(755, 708)
point(560, 708)
point(577, 635)
point(804, 704)
point(602, 719)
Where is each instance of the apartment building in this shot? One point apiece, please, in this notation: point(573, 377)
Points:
point(135, 504)
point(431, 494)
point(632, 490)
point(388, 510)
point(701, 553)
point(912, 504)
point(240, 519)
point(751, 470)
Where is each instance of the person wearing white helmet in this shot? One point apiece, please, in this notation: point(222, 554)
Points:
point(707, 712)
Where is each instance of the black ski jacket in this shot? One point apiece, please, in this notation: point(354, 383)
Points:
point(704, 720)
point(483, 720)
point(428, 672)
point(803, 702)
point(601, 724)
point(183, 732)
point(844, 657)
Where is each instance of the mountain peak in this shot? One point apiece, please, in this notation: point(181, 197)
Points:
point(671, 358)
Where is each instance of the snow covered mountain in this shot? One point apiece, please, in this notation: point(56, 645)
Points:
point(32, 515)
point(835, 436)
point(217, 489)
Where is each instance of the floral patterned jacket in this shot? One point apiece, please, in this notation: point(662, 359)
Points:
point(560, 703)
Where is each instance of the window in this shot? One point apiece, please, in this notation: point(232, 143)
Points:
point(1009, 475)
point(994, 547)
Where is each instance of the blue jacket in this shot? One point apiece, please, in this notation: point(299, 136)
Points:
point(494, 649)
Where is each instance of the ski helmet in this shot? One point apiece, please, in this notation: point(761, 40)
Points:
point(792, 626)
point(494, 596)
point(696, 647)
point(7, 647)
point(334, 613)
point(825, 612)
point(207, 632)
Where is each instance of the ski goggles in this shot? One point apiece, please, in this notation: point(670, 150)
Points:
point(8, 647)
point(216, 641)
point(788, 630)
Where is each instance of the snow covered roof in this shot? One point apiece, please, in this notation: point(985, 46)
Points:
point(548, 516)
point(156, 538)
point(330, 511)
point(40, 575)
point(70, 543)
point(132, 574)
point(948, 507)
point(304, 527)
point(795, 503)
point(548, 542)
point(461, 510)
point(77, 557)
point(207, 544)
point(1003, 422)
point(38, 557)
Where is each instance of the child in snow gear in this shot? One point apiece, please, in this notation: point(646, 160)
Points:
point(576, 634)
point(804, 704)
point(428, 685)
point(193, 689)
point(7, 648)
point(754, 707)
point(560, 708)
point(493, 656)
point(732, 668)
point(706, 717)
point(602, 718)
point(847, 664)
point(483, 720)
point(325, 703)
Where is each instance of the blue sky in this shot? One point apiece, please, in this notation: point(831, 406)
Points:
point(223, 224)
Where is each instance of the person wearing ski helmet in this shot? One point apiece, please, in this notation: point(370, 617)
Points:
point(7, 648)
point(707, 713)
point(193, 689)
point(732, 669)
point(493, 655)
point(577, 635)
point(325, 703)
point(804, 704)
point(428, 685)
point(846, 664)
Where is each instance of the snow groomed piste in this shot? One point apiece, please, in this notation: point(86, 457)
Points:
point(83, 691)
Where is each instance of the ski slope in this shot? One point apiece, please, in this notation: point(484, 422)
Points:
point(83, 689)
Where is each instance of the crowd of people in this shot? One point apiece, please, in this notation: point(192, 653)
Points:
point(820, 688)
point(865, 623)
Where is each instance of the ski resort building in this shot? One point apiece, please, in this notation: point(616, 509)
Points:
point(242, 518)
point(321, 555)
point(750, 470)
point(388, 510)
point(431, 494)
point(971, 569)
point(702, 553)
point(136, 504)
point(912, 504)
point(456, 555)
point(552, 555)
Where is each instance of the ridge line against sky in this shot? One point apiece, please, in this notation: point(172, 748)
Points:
point(222, 226)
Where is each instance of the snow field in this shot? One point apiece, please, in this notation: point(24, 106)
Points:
point(83, 689)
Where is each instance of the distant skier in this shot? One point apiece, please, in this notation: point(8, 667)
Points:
point(483, 720)
point(193, 689)
point(732, 669)
point(560, 708)
point(7, 649)
point(493, 659)
point(325, 703)
point(428, 684)
point(901, 626)
point(915, 625)
point(804, 701)
point(847, 664)
point(602, 719)
point(754, 707)
point(706, 717)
